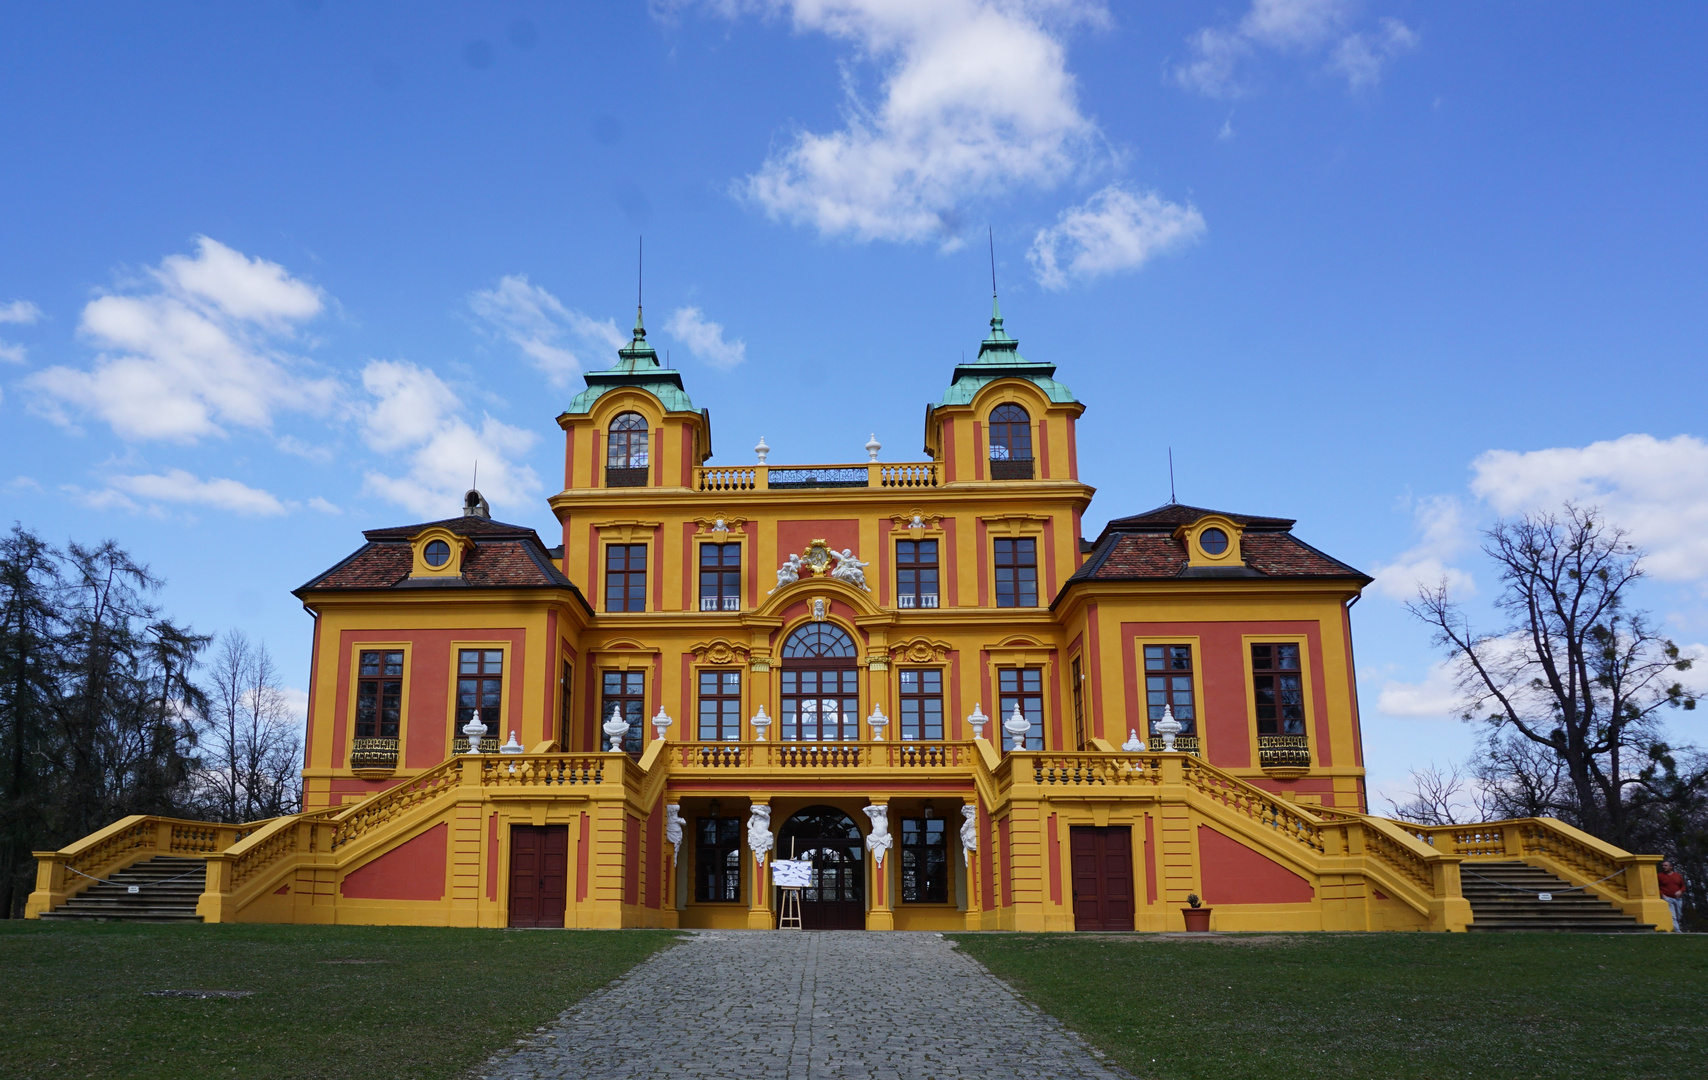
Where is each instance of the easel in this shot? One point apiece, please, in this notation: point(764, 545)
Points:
point(789, 908)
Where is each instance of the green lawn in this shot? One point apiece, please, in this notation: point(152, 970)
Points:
point(1354, 1006)
point(328, 1002)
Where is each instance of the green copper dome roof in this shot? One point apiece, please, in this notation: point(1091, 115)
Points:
point(637, 366)
point(999, 358)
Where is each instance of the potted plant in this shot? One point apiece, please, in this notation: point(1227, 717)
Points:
point(1196, 914)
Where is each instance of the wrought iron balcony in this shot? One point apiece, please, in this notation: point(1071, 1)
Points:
point(1284, 751)
point(1011, 468)
point(373, 754)
point(488, 744)
point(616, 477)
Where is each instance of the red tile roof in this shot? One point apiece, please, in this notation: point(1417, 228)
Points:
point(503, 557)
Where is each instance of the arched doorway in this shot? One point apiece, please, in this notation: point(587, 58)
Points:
point(829, 839)
point(821, 685)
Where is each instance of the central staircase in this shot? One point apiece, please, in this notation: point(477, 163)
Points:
point(1504, 896)
point(167, 890)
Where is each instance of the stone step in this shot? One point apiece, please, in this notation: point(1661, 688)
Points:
point(1503, 897)
point(168, 889)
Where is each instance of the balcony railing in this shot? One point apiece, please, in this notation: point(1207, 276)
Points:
point(616, 477)
point(917, 600)
point(808, 477)
point(720, 603)
point(1284, 751)
point(1011, 468)
point(373, 754)
point(823, 755)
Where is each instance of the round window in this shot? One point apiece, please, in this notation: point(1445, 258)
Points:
point(438, 553)
point(1213, 541)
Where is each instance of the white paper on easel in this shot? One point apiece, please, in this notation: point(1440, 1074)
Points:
point(790, 874)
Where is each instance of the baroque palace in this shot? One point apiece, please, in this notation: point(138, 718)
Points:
point(916, 683)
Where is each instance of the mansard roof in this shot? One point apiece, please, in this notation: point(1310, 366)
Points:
point(999, 358)
point(637, 365)
point(503, 557)
point(1143, 547)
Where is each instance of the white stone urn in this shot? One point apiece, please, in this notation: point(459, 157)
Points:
point(1017, 726)
point(661, 723)
point(761, 451)
point(474, 729)
point(977, 719)
point(879, 722)
point(760, 722)
point(1168, 727)
point(1133, 745)
point(616, 728)
point(872, 447)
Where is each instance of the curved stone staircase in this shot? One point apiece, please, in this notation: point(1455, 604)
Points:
point(1505, 896)
point(168, 888)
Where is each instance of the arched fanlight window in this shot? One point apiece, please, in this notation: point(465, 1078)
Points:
point(819, 639)
point(628, 442)
point(820, 686)
point(1010, 434)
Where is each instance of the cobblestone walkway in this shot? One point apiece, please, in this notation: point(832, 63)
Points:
point(757, 1005)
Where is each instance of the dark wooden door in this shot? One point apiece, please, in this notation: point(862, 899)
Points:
point(539, 874)
point(1102, 877)
point(829, 839)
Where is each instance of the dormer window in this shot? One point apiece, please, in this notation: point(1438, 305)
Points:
point(436, 554)
point(626, 456)
point(1213, 541)
point(1010, 443)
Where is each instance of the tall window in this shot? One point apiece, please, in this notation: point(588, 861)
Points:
point(720, 706)
point(1078, 679)
point(1023, 687)
point(379, 695)
point(720, 577)
point(916, 573)
point(1276, 678)
point(625, 692)
point(717, 859)
point(1010, 434)
point(1168, 683)
point(821, 686)
point(924, 861)
point(480, 685)
point(566, 682)
point(1017, 573)
point(922, 703)
point(625, 577)
point(625, 452)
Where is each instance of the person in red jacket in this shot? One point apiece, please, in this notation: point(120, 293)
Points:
point(1672, 891)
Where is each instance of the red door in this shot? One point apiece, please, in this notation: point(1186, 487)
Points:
point(539, 874)
point(1102, 877)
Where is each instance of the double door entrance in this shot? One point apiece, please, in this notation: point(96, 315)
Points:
point(539, 874)
point(1102, 877)
point(829, 839)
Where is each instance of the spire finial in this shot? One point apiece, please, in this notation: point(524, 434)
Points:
point(995, 308)
point(640, 280)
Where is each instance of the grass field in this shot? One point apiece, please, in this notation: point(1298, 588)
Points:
point(1356, 1006)
point(329, 1001)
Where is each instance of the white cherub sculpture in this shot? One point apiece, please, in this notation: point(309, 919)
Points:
point(850, 569)
point(878, 841)
point(759, 838)
point(788, 573)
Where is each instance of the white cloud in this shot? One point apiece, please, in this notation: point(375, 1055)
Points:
point(323, 506)
point(1444, 533)
point(1656, 489)
point(12, 354)
point(1437, 697)
point(705, 339)
point(19, 311)
point(1114, 230)
point(198, 353)
point(1295, 27)
point(540, 325)
point(976, 101)
point(296, 704)
point(414, 413)
point(179, 486)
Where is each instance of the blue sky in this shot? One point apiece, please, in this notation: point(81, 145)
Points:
point(274, 272)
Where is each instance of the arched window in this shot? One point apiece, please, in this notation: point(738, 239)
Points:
point(821, 686)
point(1011, 443)
point(628, 442)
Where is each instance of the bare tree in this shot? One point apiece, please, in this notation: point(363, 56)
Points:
point(1572, 671)
point(251, 749)
point(1441, 798)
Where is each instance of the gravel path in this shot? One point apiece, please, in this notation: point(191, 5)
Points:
point(772, 1005)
